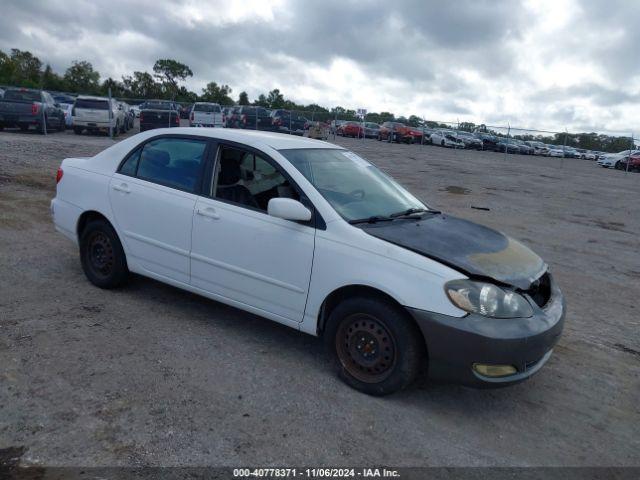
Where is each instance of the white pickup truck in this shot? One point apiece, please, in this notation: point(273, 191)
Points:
point(205, 114)
point(92, 114)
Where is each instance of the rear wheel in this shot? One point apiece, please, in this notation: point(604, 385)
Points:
point(375, 348)
point(77, 130)
point(442, 143)
point(101, 255)
point(23, 127)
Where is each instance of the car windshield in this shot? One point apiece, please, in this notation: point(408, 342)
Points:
point(355, 188)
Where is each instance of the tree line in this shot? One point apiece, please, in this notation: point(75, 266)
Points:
point(23, 69)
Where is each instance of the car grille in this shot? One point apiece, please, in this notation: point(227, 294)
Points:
point(540, 290)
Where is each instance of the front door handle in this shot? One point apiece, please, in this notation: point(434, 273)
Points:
point(123, 187)
point(208, 212)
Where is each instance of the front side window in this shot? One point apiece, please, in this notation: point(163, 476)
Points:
point(355, 188)
point(174, 162)
point(248, 179)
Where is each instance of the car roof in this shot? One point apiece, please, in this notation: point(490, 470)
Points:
point(255, 138)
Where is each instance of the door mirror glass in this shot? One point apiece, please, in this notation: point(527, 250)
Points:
point(288, 209)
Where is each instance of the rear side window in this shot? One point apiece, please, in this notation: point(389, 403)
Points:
point(25, 96)
point(92, 104)
point(174, 162)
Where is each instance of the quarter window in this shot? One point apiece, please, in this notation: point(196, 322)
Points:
point(175, 162)
point(130, 166)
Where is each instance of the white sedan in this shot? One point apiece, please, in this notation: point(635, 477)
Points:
point(311, 235)
point(446, 138)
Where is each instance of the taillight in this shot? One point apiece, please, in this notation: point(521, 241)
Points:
point(141, 117)
point(277, 121)
point(34, 108)
point(177, 118)
point(59, 175)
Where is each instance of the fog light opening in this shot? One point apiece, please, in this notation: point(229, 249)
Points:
point(494, 370)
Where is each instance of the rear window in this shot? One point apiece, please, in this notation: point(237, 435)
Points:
point(92, 104)
point(158, 106)
point(26, 96)
point(203, 107)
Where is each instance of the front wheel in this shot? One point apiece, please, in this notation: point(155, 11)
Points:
point(375, 347)
point(102, 256)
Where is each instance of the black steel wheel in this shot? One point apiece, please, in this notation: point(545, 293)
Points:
point(102, 256)
point(375, 347)
point(365, 348)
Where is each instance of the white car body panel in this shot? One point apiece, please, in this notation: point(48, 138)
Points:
point(268, 266)
point(207, 119)
point(95, 118)
point(438, 137)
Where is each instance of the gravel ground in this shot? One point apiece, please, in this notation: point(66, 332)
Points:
point(151, 375)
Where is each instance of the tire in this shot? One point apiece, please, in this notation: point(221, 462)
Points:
point(62, 127)
point(77, 130)
point(442, 143)
point(23, 128)
point(116, 130)
point(101, 255)
point(395, 349)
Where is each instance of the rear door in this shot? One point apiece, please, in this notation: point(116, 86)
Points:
point(153, 195)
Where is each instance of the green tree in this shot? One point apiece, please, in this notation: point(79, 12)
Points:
point(80, 77)
point(275, 99)
point(217, 94)
point(169, 72)
point(24, 68)
point(51, 80)
point(243, 98)
point(117, 88)
point(142, 85)
point(261, 101)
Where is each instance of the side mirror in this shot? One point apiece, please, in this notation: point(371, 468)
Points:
point(288, 209)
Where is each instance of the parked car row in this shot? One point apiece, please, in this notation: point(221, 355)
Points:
point(620, 160)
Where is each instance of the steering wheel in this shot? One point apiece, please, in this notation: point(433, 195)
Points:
point(357, 193)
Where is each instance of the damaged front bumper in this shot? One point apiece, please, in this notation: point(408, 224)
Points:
point(456, 346)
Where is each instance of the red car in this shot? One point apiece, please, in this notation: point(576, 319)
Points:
point(416, 133)
point(634, 163)
point(395, 132)
point(350, 129)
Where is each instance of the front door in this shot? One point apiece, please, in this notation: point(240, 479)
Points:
point(240, 252)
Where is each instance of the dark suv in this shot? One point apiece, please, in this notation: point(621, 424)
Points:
point(286, 121)
point(254, 118)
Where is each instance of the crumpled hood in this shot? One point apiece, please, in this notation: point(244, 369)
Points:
point(475, 250)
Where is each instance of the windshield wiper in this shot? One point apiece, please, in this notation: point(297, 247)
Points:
point(373, 219)
point(411, 211)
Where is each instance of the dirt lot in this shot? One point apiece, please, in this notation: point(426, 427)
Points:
point(156, 376)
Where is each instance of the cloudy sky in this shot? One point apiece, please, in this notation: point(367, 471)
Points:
point(548, 64)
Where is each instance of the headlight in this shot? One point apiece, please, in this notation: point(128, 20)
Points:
point(487, 299)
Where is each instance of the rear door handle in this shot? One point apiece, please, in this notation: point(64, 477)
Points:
point(123, 187)
point(208, 212)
